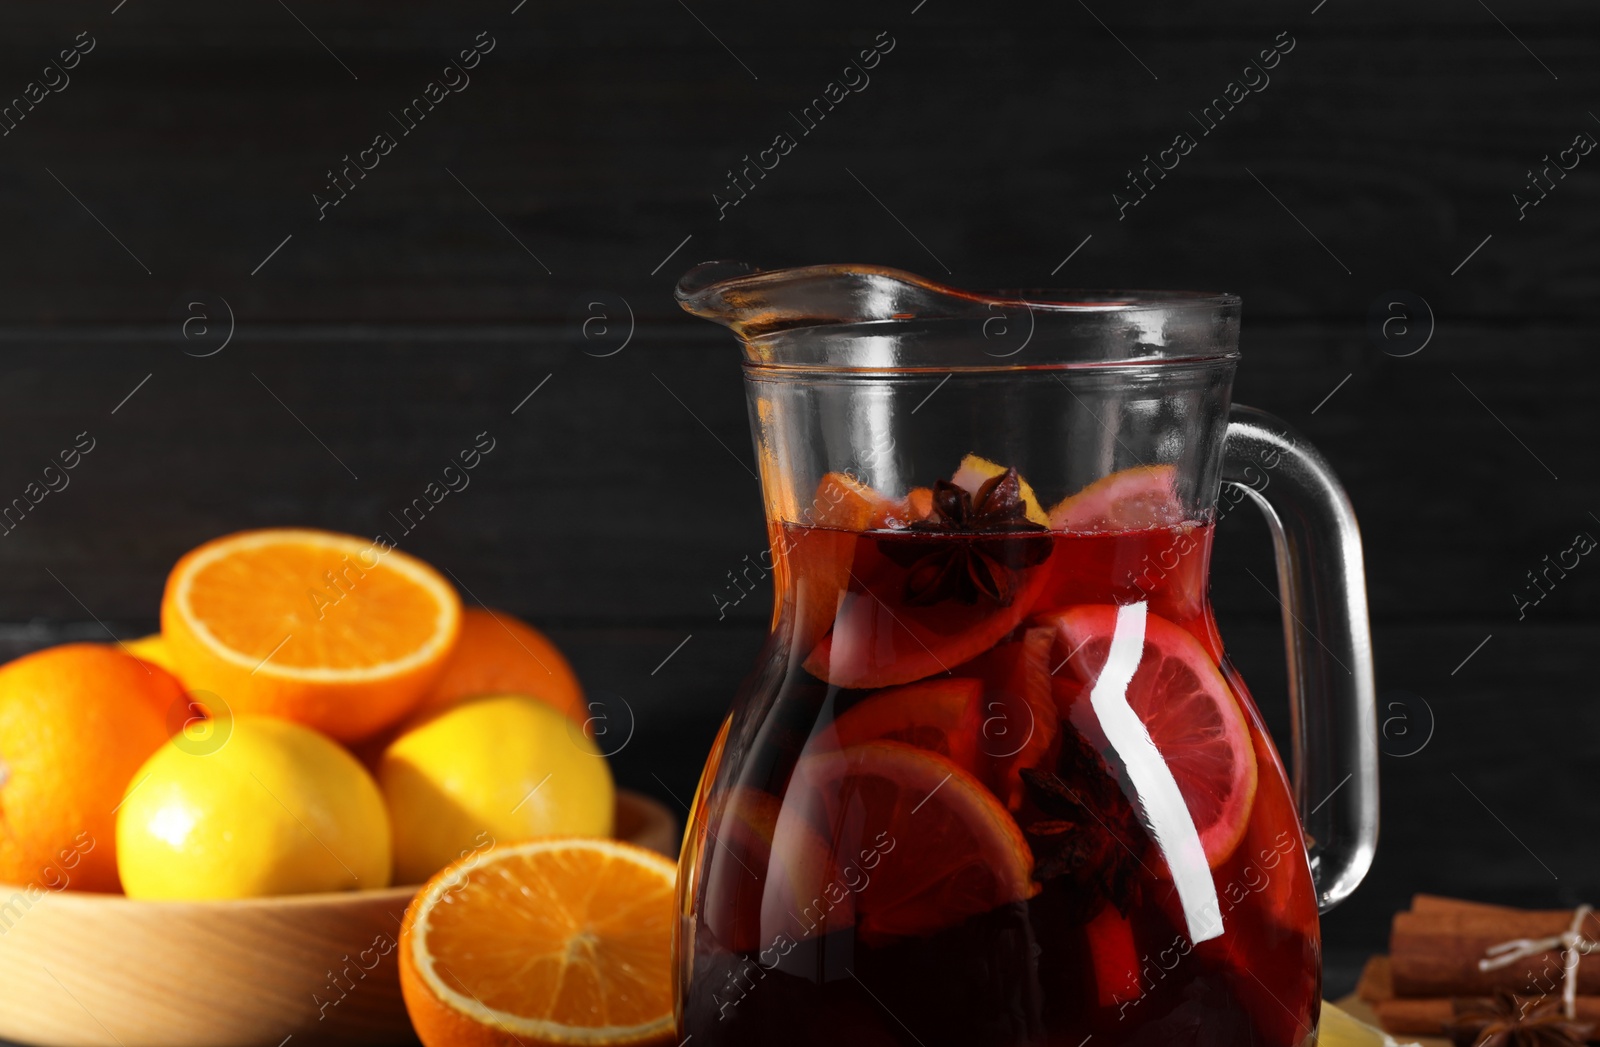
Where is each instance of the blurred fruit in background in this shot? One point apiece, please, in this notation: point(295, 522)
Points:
point(328, 630)
point(153, 649)
point(75, 722)
point(232, 776)
point(498, 653)
point(265, 807)
point(496, 769)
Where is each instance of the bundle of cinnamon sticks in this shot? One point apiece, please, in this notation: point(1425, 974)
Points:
point(1434, 949)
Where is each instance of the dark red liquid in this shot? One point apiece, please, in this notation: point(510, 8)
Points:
point(1025, 898)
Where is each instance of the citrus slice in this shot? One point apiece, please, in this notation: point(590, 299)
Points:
point(942, 715)
point(1126, 500)
point(1115, 957)
point(818, 555)
point(880, 640)
point(1066, 691)
point(848, 503)
point(1189, 711)
point(330, 630)
point(915, 843)
point(975, 470)
point(742, 851)
point(917, 505)
point(555, 941)
point(1020, 722)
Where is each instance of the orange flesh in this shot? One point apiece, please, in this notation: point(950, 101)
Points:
point(881, 648)
point(1201, 747)
point(941, 715)
point(579, 938)
point(952, 851)
point(1125, 500)
point(1021, 723)
point(1194, 736)
point(1191, 715)
point(337, 613)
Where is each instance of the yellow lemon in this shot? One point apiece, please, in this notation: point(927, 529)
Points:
point(1338, 1029)
point(255, 806)
point(153, 649)
point(494, 770)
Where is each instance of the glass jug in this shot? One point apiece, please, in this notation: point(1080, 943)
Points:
point(993, 780)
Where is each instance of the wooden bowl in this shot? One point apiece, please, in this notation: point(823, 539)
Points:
point(97, 970)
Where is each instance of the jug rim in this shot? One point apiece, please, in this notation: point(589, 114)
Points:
point(733, 276)
point(873, 317)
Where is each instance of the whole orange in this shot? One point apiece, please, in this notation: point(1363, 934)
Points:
point(499, 653)
point(76, 722)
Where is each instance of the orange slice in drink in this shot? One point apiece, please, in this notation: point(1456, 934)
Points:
point(1126, 500)
point(1189, 711)
point(556, 941)
point(333, 631)
point(915, 843)
point(1115, 957)
point(879, 640)
point(819, 555)
point(942, 715)
point(848, 503)
point(1020, 721)
point(918, 504)
point(745, 837)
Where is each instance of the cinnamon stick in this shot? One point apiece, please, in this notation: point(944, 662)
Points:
point(1436, 903)
point(1427, 1015)
point(1377, 981)
point(1435, 950)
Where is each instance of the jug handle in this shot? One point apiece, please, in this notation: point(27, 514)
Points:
point(1322, 590)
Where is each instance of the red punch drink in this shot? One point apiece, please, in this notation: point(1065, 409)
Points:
point(996, 784)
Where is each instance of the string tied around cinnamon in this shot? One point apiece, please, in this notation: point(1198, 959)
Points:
point(1570, 942)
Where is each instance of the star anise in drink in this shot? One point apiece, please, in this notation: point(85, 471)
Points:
point(1090, 833)
point(970, 569)
point(1509, 1020)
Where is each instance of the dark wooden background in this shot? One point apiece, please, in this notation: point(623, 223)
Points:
point(455, 279)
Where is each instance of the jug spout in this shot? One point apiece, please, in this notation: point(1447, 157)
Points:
point(754, 302)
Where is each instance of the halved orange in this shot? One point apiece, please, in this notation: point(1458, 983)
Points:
point(336, 632)
point(1187, 707)
point(554, 941)
point(915, 843)
point(1126, 500)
